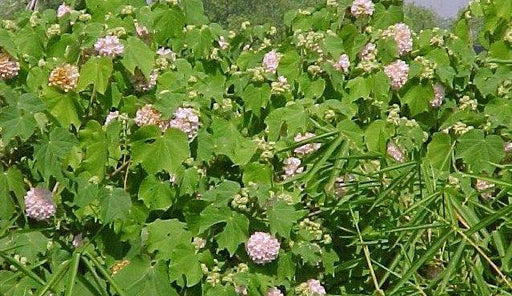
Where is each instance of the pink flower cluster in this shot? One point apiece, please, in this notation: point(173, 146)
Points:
point(186, 120)
point(63, 10)
point(343, 63)
point(109, 46)
point(262, 247)
point(274, 292)
point(292, 167)
point(438, 99)
point(271, 61)
point(147, 115)
point(39, 204)
point(315, 288)
point(395, 152)
point(402, 35)
point(507, 147)
point(369, 52)
point(398, 72)
point(361, 8)
point(308, 148)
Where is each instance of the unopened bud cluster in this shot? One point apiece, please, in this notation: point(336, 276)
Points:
point(241, 200)
point(428, 68)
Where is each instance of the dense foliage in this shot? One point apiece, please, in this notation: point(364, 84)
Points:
point(146, 151)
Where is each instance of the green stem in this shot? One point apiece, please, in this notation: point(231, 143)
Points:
point(95, 275)
point(72, 276)
point(109, 278)
point(56, 277)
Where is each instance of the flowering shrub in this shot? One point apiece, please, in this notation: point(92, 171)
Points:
point(146, 151)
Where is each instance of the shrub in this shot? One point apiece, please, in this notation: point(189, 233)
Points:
point(146, 151)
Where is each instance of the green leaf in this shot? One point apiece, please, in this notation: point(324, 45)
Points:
point(50, 155)
point(194, 12)
point(165, 235)
point(141, 277)
point(169, 23)
point(235, 233)
point(93, 140)
point(480, 152)
point(156, 194)
point(228, 141)
point(184, 262)
point(256, 98)
point(16, 123)
point(65, 107)
point(95, 71)
point(285, 266)
point(212, 215)
point(286, 121)
point(10, 181)
point(138, 55)
point(377, 135)
point(418, 98)
point(26, 244)
point(282, 217)
point(439, 151)
point(115, 206)
point(257, 173)
point(157, 151)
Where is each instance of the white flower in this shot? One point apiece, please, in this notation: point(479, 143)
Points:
point(223, 43)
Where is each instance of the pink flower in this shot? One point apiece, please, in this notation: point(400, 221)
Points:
point(308, 148)
point(398, 73)
point(147, 115)
point(439, 93)
point(63, 10)
point(111, 117)
point(186, 120)
point(271, 61)
point(507, 147)
point(141, 30)
point(109, 46)
point(343, 63)
point(39, 204)
point(262, 247)
point(362, 8)
point(274, 292)
point(395, 152)
point(315, 287)
point(402, 35)
point(77, 241)
point(292, 167)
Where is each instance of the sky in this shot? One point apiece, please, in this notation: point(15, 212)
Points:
point(445, 8)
